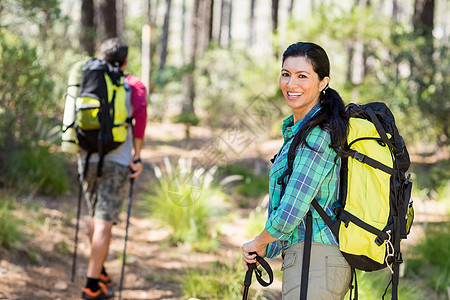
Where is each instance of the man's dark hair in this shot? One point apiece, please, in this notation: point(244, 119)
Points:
point(114, 51)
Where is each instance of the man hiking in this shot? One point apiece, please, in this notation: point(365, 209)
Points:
point(105, 194)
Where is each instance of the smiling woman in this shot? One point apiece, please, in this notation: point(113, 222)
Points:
point(300, 85)
point(319, 122)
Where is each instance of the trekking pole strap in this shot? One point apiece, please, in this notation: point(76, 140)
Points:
point(74, 258)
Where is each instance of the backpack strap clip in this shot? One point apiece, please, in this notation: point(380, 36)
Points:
point(398, 258)
point(359, 156)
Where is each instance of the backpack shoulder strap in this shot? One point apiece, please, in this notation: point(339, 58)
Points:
point(306, 257)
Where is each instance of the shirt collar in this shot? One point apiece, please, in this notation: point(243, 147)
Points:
point(289, 129)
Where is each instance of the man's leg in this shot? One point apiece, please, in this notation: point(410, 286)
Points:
point(101, 236)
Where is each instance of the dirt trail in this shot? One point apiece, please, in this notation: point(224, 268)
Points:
point(153, 265)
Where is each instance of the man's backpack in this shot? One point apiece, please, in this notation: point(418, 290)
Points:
point(101, 116)
point(376, 210)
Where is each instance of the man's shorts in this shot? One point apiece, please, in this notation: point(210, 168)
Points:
point(104, 195)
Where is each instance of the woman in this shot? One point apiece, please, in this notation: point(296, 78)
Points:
point(318, 116)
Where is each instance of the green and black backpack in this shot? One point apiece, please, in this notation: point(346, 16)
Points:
point(101, 116)
point(376, 212)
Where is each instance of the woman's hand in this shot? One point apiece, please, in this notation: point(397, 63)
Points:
point(251, 246)
point(258, 245)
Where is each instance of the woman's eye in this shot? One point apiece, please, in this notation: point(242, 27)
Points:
point(301, 76)
point(284, 74)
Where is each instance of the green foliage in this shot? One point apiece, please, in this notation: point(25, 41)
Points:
point(10, 225)
point(24, 90)
point(430, 258)
point(185, 200)
point(225, 89)
point(251, 188)
point(433, 178)
point(37, 169)
point(222, 281)
point(27, 130)
point(371, 286)
point(407, 71)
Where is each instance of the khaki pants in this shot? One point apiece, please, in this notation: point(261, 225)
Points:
point(329, 272)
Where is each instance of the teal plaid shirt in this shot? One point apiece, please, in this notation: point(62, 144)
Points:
point(315, 175)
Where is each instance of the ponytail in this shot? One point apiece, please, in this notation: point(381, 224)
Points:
point(332, 117)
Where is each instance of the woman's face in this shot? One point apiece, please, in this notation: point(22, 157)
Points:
point(300, 85)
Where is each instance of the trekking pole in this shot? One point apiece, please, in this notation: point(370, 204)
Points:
point(74, 259)
point(258, 274)
point(248, 280)
point(126, 237)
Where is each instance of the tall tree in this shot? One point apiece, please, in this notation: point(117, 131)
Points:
point(291, 8)
point(251, 24)
point(423, 19)
point(275, 6)
point(205, 18)
point(120, 16)
point(146, 48)
point(188, 105)
point(165, 35)
point(107, 19)
point(87, 32)
point(230, 21)
point(226, 14)
point(183, 31)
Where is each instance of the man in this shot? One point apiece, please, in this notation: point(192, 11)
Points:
point(104, 195)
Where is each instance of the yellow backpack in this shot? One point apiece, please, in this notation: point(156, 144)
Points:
point(99, 113)
point(376, 210)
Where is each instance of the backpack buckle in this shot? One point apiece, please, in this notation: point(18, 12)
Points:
point(398, 258)
point(359, 156)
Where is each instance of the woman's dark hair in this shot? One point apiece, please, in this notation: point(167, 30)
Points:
point(114, 51)
point(332, 117)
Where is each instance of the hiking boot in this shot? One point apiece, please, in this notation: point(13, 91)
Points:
point(102, 293)
point(106, 280)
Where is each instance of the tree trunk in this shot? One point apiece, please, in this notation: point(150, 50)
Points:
point(251, 28)
point(291, 8)
point(395, 11)
point(230, 18)
point(210, 20)
point(120, 17)
point(205, 16)
point(225, 23)
point(222, 18)
point(423, 19)
point(183, 32)
point(188, 105)
point(275, 5)
point(165, 35)
point(107, 19)
point(87, 32)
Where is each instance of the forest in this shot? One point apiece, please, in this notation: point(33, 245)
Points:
point(215, 111)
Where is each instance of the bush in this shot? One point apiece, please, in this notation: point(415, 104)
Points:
point(38, 170)
point(10, 225)
point(222, 281)
point(185, 200)
point(371, 286)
